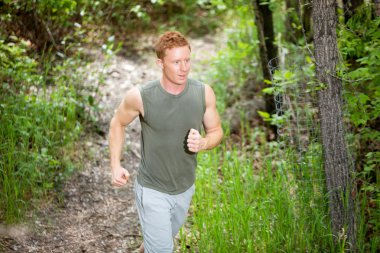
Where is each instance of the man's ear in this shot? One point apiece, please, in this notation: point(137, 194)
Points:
point(160, 63)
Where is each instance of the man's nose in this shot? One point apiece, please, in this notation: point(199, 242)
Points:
point(184, 66)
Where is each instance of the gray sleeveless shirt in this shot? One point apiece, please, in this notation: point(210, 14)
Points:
point(166, 163)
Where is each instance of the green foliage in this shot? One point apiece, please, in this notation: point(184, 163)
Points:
point(39, 124)
point(227, 175)
point(360, 46)
point(16, 66)
point(237, 67)
point(53, 23)
point(132, 15)
point(59, 11)
point(237, 61)
point(295, 90)
point(44, 23)
point(252, 200)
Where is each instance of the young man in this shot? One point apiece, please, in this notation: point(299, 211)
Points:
point(171, 112)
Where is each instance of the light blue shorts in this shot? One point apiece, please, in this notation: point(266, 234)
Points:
point(161, 216)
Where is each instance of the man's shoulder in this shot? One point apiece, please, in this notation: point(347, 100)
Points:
point(196, 83)
point(149, 85)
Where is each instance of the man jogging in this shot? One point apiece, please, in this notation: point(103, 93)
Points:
point(172, 111)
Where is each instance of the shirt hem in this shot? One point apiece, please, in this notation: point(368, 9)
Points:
point(154, 187)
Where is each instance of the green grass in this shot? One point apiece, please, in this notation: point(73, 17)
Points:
point(40, 113)
point(34, 132)
point(247, 201)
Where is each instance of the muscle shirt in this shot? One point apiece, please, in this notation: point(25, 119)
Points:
point(166, 163)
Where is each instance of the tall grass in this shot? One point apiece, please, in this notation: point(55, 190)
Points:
point(262, 198)
point(40, 115)
point(247, 201)
point(33, 133)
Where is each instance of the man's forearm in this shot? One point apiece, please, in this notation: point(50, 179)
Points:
point(212, 139)
point(116, 141)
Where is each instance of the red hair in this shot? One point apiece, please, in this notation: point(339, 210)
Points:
point(169, 40)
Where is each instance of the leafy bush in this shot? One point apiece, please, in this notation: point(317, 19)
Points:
point(38, 127)
point(44, 23)
point(48, 23)
point(360, 47)
point(238, 61)
point(138, 14)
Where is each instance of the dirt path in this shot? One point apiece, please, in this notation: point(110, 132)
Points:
point(94, 216)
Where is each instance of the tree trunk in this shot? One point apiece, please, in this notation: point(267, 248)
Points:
point(336, 159)
point(377, 7)
point(306, 19)
point(264, 24)
point(298, 12)
point(292, 34)
point(268, 33)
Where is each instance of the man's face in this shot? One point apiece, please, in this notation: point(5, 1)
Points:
point(176, 65)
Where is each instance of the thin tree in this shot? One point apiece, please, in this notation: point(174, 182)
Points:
point(377, 7)
point(336, 160)
point(298, 18)
point(267, 48)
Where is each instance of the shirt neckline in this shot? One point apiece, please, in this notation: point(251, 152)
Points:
point(174, 95)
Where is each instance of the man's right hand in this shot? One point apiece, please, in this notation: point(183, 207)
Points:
point(120, 176)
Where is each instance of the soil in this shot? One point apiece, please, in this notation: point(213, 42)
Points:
point(93, 216)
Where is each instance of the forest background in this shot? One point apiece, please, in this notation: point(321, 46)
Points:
point(270, 191)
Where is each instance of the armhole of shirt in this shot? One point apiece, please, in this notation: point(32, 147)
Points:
point(203, 86)
point(145, 108)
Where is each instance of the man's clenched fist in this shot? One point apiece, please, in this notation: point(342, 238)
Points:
point(195, 142)
point(120, 176)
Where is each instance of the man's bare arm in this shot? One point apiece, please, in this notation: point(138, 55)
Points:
point(128, 110)
point(212, 125)
point(211, 122)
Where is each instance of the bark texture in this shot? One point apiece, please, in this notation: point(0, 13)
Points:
point(336, 159)
point(377, 7)
point(264, 24)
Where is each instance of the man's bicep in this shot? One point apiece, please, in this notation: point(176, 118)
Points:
point(130, 107)
point(211, 119)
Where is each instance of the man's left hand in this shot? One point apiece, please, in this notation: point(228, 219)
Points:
point(195, 142)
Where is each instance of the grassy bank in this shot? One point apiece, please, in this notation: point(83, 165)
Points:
point(250, 202)
point(258, 196)
point(42, 112)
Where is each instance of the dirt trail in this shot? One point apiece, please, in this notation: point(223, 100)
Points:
point(94, 216)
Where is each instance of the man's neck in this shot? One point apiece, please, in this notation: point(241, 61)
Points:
point(172, 88)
